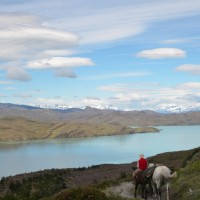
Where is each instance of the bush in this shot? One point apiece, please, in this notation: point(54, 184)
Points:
point(87, 193)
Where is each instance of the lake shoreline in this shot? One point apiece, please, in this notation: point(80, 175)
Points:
point(84, 152)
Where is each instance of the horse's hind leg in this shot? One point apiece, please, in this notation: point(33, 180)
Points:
point(167, 191)
point(136, 186)
point(159, 194)
point(150, 188)
point(143, 192)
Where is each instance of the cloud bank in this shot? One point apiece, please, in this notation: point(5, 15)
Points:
point(25, 37)
point(161, 53)
point(15, 73)
point(191, 68)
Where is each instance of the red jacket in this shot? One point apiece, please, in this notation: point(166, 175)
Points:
point(142, 164)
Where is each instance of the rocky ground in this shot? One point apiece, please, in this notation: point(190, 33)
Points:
point(124, 189)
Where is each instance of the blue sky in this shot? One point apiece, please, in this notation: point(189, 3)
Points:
point(126, 54)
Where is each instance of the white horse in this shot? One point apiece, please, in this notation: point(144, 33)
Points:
point(161, 177)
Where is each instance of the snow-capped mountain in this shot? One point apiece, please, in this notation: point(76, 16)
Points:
point(65, 107)
point(174, 108)
point(54, 107)
point(164, 108)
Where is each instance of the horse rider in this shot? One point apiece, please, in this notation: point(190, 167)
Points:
point(142, 164)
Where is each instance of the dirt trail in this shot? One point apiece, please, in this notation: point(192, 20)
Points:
point(125, 189)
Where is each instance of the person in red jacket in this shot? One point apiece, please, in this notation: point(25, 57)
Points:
point(142, 164)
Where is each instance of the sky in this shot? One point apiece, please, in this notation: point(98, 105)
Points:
point(124, 54)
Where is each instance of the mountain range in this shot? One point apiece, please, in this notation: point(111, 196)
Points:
point(94, 115)
point(174, 108)
point(163, 108)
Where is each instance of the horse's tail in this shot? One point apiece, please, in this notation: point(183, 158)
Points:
point(174, 175)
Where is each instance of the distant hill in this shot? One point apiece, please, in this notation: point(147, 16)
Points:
point(21, 129)
point(93, 115)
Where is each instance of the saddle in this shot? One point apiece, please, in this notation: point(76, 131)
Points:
point(146, 174)
point(149, 172)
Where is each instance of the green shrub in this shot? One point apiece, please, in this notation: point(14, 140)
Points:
point(87, 193)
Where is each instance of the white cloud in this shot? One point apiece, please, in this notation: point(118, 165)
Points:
point(23, 35)
point(26, 37)
point(5, 82)
point(103, 21)
point(113, 88)
point(22, 96)
point(160, 53)
point(58, 52)
point(117, 75)
point(15, 73)
point(9, 88)
point(111, 34)
point(150, 96)
point(48, 101)
point(96, 23)
point(9, 20)
point(93, 98)
point(194, 39)
point(65, 73)
point(176, 41)
point(38, 34)
point(88, 101)
point(190, 85)
point(131, 96)
point(2, 95)
point(60, 62)
point(191, 68)
point(135, 96)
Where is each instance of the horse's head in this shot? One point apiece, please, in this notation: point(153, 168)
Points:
point(151, 165)
point(154, 165)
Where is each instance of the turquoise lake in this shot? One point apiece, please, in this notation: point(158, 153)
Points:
point(21, 157)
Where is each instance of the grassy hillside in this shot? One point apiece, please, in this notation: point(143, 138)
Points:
point(89, 183)
point(20, 129)
point(14, 129)
point(187, 185)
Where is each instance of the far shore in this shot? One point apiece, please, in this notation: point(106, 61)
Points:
point(21, 129)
